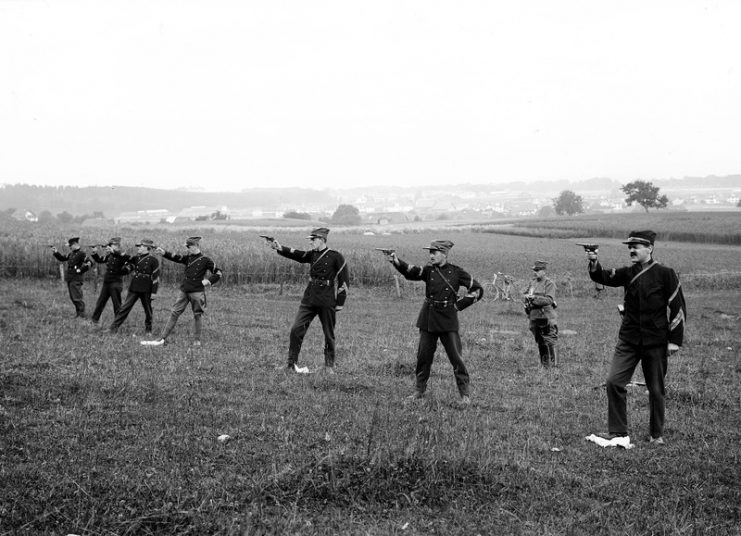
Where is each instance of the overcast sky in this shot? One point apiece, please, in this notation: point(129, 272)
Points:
point(227, 95)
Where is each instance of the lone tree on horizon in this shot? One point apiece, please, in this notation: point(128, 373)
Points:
point(346, 215)
point(569, 203)
point(645, 194)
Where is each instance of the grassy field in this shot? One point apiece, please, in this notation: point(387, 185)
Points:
point(101, 436)
point(702, 227)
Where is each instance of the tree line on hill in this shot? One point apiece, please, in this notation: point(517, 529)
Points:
point(642, 193)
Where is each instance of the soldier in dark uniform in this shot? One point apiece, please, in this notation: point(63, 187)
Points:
point(114, 261)
point(438, 319)
point(540, 306)
point(77, 264)
point(145, 277)
point(324, 296)
point(652, 329)
point(192, 289)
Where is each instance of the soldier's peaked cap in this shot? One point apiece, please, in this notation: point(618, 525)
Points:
point(73, 240)
point(116, 240)
point(641, 237)
point(540, 265)
point(193, 240)
point(440, 245)
point(321, 232)
point(146, 242)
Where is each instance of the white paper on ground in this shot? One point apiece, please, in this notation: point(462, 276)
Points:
point(614, 442)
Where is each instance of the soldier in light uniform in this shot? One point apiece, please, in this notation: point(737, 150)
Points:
point(192, 289)
point(438, 318)
point(115, 263)
point(652, 328)
point(77, 264)
point(324, 296)
point(145, 277)
point(540, 306)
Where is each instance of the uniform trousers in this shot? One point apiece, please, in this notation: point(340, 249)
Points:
point(654, 362)
point(306, 313)
point(75, 294)
point(125, 309)
point(197, 301)
point(110, 290)
point(451, 341)
point(546, 337)
point(544, 331)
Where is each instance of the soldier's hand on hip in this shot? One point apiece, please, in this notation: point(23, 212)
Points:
point(206, 283)
point(672, 348)
point(152, 296)
point(338, 307)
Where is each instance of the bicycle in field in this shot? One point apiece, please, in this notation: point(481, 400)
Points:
point(501, 287)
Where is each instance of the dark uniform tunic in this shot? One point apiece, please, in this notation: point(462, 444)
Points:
point(654, 314)
point(77, 264)
point(112, 282)
point(197, 265)
point(438, 318)
point(145, 271)
point(541, 310)
point(329, 280)
point(192, 291)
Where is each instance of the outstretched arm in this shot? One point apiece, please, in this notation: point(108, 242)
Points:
point(409, 271)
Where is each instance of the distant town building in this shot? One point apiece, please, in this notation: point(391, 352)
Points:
point(202, 213)
point(143, 217)
point(386, 218)
point(24, 215)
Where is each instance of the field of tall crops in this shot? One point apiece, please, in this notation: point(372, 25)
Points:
point(712, 227)
point(247, 261)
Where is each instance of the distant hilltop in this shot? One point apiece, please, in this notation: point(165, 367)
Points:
point(513, 198)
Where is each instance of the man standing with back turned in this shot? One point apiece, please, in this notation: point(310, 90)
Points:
point(651, 330)
point(324, 296)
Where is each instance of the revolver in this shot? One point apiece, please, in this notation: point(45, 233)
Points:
point(386, 251)
point(268, 238)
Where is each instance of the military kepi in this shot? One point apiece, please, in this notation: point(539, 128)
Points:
point(115, 241)
point(540, 265)
point(193, 240)
point(73, 240)
point(321, 232)
point(440, 245)
point(146, 242)
point(641, 237)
